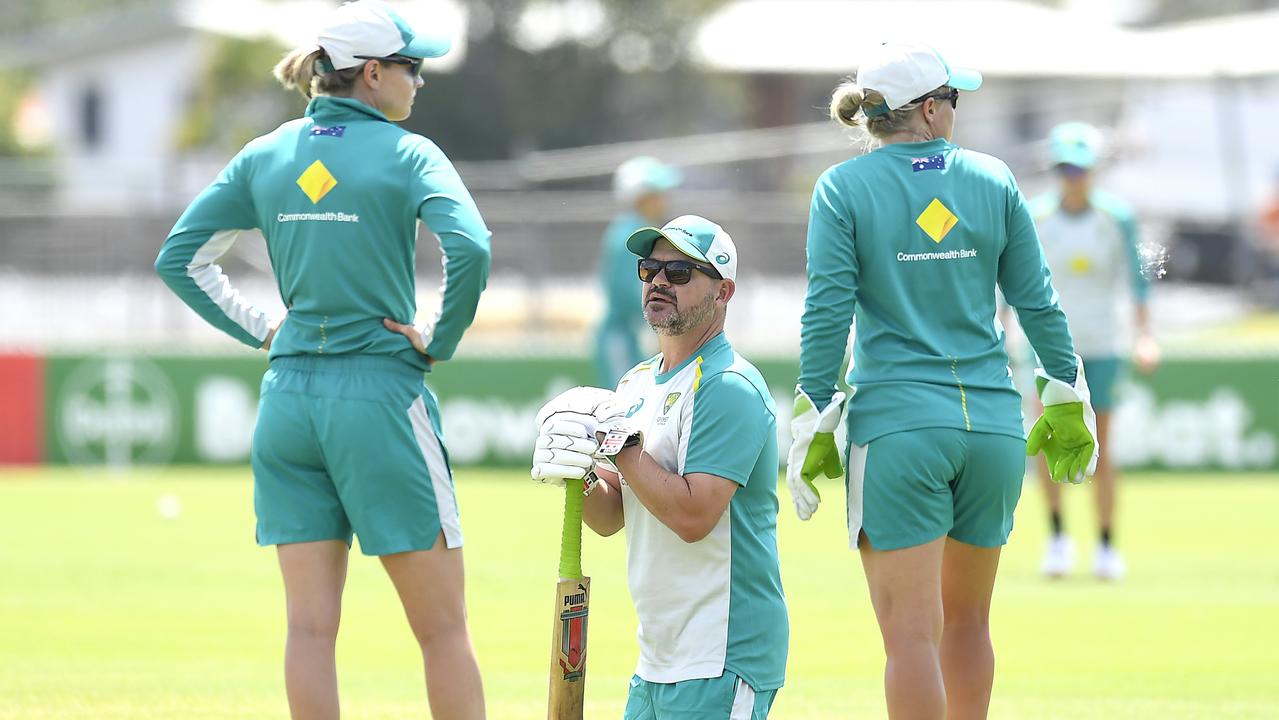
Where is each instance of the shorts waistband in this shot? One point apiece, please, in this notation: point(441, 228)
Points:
point(346, 364)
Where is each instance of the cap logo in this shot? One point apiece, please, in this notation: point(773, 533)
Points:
point(681, 230)
point(722, 258)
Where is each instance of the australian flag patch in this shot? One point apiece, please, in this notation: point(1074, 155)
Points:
point(932, 162)
point(335, 131)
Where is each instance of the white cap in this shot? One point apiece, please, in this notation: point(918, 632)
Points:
point(902, 73)
point(694, 236)
point(644, 174)
point(366, 29)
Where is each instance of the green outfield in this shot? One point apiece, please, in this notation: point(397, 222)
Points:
point(110, 609)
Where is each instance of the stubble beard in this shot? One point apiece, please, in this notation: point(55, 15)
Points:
point(677, 323)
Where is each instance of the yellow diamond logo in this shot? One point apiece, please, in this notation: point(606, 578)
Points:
point(316, 181)
point(936, 220)
point(1081, 264)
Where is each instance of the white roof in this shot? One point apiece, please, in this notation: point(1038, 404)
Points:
point(997, 37)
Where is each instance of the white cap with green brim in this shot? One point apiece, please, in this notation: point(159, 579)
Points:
point(905, 73)
point(1075, 143)
point(644, 174)
point(696, 237)
point(368, 29)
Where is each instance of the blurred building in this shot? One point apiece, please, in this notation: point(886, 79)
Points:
point(1186, 108)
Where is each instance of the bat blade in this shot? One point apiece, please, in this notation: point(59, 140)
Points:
point(568, 649)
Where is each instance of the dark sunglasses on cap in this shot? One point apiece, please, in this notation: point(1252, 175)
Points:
point(414, 64)
point(950, 94)
point(678, 272)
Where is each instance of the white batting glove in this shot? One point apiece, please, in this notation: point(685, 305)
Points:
point(813, 452)
point(563, 450)
point(578, 405)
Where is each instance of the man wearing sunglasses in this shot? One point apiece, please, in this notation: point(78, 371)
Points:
point(692, 436)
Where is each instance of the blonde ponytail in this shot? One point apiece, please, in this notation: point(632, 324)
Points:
point(849, 98)
point(845, 102)
point(297, 71)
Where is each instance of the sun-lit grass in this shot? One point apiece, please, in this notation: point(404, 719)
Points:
point(108, 609)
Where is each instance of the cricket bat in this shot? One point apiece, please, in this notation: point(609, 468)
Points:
point(568, 624)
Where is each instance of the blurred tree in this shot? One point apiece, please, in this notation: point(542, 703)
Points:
point(20, 16)
point(14, 86)
point(542, 74)
point(236, 97)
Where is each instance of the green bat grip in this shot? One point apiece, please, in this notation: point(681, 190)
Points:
point(571, 538)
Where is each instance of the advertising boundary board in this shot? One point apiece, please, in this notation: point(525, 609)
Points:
point(1193, 415)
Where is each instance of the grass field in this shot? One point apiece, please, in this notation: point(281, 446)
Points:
point(108, 609)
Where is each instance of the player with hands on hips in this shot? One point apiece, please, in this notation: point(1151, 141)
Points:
point(685, 451)
point(348, 439)
point(936, 446)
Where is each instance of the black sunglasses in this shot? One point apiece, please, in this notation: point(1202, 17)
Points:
point(950, 94)
point(678, 272)
point(414, 64)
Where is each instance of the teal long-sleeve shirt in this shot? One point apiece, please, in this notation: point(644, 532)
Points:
point(337, 194)
point(617, 273)
point(912, 239)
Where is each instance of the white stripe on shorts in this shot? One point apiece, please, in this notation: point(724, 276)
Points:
point(743, 702)
point(441, 479)
point(856, 481)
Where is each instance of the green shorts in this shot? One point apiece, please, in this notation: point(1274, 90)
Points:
point(726, 696)
point(908, 488)
point(351, 445)
point(1104, 374)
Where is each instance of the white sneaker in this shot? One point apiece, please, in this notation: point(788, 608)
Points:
point(1107, 564)
point(1059, 558)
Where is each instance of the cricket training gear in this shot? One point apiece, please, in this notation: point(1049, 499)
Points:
point(903, 74)
point(641, 175)
point(1097, 269)
point(1108, 564)
point(920, 271)
point(1067, 431)
point(563, 450)
point(1076, 144)
point(696, 237)
point(368, 29)
point(714, 605)
point(1059, 557)
point(813, 452)
point(341, 247)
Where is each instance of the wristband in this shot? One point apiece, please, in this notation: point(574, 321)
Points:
point(618, 440)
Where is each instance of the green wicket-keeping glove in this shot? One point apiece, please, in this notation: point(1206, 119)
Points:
point(1067, 431)
point(813, 452)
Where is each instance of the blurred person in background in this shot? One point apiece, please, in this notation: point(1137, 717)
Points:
point(912, 239)
point(640, 186)
point(1090, 239)
point(348, 438)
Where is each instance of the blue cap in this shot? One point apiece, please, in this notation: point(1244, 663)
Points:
point(1075, 143)
point(696, 237)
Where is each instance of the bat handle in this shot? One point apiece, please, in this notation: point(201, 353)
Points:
point(571, 539)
